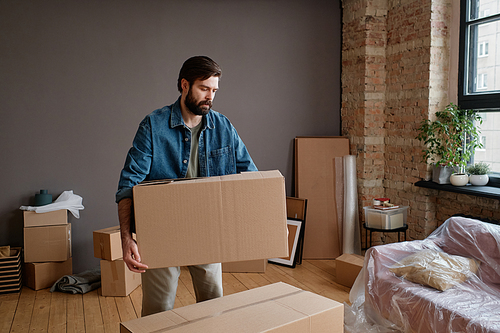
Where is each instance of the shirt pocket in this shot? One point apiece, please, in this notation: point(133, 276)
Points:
point(221, 162)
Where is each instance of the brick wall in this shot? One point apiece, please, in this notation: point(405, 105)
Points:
point(395, 70)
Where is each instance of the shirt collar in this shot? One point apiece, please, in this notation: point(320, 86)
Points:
point(177, 120)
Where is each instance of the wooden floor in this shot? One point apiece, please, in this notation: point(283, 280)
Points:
point(43, 311)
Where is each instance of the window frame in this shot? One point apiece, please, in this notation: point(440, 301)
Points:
point(481, 101)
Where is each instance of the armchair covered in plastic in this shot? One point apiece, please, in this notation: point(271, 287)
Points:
point(456, 291)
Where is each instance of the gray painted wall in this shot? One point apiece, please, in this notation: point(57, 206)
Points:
point(77, 77)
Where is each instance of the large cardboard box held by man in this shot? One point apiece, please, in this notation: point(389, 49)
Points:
point(277, 307)
point(215, 219)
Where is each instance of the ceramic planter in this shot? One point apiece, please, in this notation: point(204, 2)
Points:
point(479, 180)
point(441, 174)
point(459, 179)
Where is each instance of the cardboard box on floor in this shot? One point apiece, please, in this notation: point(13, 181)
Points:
point(248, 266)
point(56, 217)
point(43, 275)
point(315, 181)
point(348, 267)
point(49, 243)
point(117, 279)
point(277, 307)
point(215, 219)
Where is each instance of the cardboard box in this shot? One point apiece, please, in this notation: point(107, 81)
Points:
point(50, 243)
point(10, 272)
point(385, 219)
point(273, 308)
point(248, 266)
point(315, 181)
point(117, 279)
point(208, 220)
point(108, 243)
point(43, 275)
point(348, 268)
point(33, 219)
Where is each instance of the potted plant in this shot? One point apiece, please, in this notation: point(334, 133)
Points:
point(450, 140)
point(479, 173)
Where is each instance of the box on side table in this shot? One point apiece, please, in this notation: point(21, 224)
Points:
point(385, 219)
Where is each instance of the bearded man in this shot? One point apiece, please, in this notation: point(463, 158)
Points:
point(184, 140)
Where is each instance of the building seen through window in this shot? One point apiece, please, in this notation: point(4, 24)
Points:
point(479, 86)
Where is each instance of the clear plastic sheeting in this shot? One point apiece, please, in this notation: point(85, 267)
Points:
point(384, 302)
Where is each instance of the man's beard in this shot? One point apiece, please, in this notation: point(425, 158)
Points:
point(199, 109)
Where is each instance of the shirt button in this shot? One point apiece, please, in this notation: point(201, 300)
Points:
point(186, 139)
point(185, 161)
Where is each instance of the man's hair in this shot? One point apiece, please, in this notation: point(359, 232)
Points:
point(198, 68)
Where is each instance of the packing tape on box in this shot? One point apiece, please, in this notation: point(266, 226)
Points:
point(114, 271)
point(351, 230)
point(189, 322)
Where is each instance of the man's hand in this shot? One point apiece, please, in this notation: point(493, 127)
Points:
point(131, 255)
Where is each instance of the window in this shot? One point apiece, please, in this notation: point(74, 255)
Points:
point(482, 81)
point(483, 49)
point(479, 73)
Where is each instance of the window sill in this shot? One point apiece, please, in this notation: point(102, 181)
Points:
point(491, 192)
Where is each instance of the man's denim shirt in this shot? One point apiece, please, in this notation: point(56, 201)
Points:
point(162, 145)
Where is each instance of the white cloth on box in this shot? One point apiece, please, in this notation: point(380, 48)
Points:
point(67, 200)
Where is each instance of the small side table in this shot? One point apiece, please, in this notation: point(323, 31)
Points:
point(370, 230)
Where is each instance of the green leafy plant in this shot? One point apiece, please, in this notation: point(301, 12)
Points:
point(451, 139)
point(480, 168)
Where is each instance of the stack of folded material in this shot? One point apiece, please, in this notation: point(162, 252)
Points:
point(10, 269)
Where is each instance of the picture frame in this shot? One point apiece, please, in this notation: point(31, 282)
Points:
point(295, 234)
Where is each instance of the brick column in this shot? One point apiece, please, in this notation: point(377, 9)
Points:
point(394, 74)
point(363, 92)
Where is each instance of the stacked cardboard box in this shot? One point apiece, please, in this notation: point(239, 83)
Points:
point(10, 272)
point(47, 248)
point(116, 278)
point(247, 266)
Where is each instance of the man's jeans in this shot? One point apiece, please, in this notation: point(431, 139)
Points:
point(160, 286)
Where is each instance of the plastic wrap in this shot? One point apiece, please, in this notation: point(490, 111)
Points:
point(384, 302)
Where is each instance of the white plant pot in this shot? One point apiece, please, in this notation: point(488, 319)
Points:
point(479, 180)
point(459, 179)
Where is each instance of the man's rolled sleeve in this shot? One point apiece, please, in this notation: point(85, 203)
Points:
point(138, 162)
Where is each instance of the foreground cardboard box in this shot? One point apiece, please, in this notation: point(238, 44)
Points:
point(215, 219)
point(117, 279)
point(108, 243)
point(43, 275)
point(273, 308)
point(315, 180)
point(10, 272)
point(248, 266)
point(348, 267)
point(50, 243)
point(33, 219)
